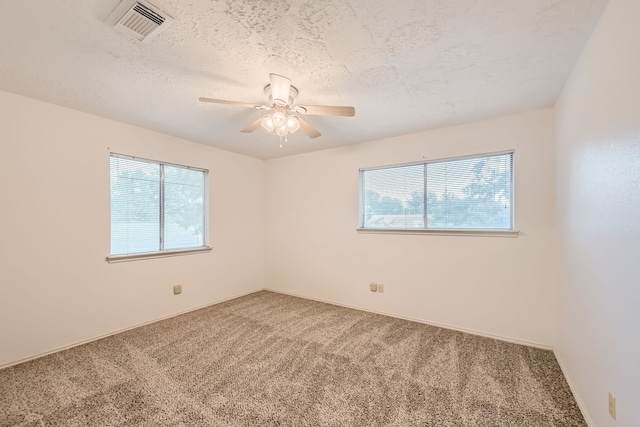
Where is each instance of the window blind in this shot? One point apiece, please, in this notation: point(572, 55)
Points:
point(464, 193)
point(184, 208)
point(156, 206)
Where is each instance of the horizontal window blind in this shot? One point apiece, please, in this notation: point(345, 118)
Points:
point(156, 206)
point(135, 206)
point(184, 208)
point(394, 197)
point(465, 193)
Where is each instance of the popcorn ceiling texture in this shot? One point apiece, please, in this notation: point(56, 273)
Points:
point(268, 359)
point(405, 66)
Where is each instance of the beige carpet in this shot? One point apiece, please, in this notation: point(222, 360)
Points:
point(273, 360)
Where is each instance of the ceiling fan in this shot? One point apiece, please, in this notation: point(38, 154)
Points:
point(285, 118)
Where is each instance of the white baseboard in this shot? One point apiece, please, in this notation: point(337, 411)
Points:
point(426, 322)
point(76, 344)
point(423, 321)
point(576, 396)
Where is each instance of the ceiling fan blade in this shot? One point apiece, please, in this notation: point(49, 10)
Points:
point(280, 86)
point(253, 126)
point(240, 104)
point(307, 129)
point(325, 110)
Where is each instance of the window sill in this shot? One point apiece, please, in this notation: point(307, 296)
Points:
point(149, 255)
point(441, 232)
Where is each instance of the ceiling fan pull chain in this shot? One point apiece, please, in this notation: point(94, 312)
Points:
point(285, 139)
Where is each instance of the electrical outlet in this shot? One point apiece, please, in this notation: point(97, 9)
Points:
point(380, 287)
point(373, 286)
point(177, 289)
point(612, 406)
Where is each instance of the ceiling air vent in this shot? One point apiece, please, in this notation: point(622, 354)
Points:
point(139, 19)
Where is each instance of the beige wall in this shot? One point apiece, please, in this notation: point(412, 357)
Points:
point(491, 285)
point(598, 125)
point(56, 288)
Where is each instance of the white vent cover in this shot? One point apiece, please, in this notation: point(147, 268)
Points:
point(139, 19)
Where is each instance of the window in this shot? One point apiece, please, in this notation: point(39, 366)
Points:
point(156, 207)
point(470, 193)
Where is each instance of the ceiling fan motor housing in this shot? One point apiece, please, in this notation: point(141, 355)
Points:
point(293, 94)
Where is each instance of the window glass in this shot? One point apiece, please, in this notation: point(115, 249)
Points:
point(394, 197)
point(156, 206)
point(184, 208)
point(465, 193)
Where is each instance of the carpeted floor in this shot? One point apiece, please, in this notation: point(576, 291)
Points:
point(268, 359)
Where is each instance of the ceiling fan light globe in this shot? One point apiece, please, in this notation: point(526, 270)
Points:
point(293, 124)
point(278, 119)
point(267, 124)
point(282, 131)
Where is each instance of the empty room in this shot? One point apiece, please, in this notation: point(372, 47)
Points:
point(320, 213)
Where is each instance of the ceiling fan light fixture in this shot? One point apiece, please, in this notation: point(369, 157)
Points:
point(279, 119)
point(282, 131)
point(267, 123)
point(293, 124)
point(284, 118)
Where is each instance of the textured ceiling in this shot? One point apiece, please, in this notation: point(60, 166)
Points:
point(405, 65)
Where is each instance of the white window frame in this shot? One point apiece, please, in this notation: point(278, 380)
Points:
point(510, 232)
point(163, 252)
